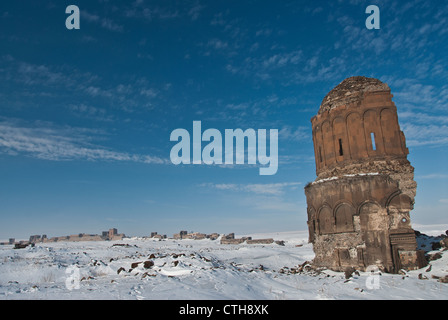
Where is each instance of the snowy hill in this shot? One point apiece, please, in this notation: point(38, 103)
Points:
point(136, 268)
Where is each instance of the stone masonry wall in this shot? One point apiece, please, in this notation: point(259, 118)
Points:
point(359, 205)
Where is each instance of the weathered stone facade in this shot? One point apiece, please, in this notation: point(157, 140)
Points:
point(359, 204)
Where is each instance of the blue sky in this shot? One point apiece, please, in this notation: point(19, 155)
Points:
point(86, 115)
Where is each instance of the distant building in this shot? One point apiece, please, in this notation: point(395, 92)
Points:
point(230, 239)
point(35, 238)
point(213, 236)
point(158, 236)
point(112, 232)
point(194, 235)
point(180, 235)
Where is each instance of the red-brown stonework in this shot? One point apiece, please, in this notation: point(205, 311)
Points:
point(359, 204)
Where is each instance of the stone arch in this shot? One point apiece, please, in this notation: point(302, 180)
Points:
point(328, 146)
point(355, 133)
point(364, 203)
point(372, 126)
point(399, 201)
point(390, 132)
point(367, 211)
point(399, 206)
point(325, 220)
point(319, 148)
point(344, 217)
point(374, 232)
point(341, 144)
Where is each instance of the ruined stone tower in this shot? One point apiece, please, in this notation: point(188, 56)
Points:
point(359, 204)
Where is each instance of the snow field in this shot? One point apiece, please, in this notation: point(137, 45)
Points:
point(137, 268)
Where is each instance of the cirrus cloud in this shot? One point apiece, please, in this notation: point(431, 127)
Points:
point(273, 189)
point(61, 144)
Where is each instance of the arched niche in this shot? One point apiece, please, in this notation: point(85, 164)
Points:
point(340, 139)
point(327, 134)
point(326, 221)
point(400, 202)
point(356, 141)
point(344, 218)
point(370, 216)
point(372, 131)
point(319, 150)
point(398, 208)
point(391, 132)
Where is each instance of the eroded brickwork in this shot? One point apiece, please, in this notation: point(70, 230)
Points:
point(359, 205)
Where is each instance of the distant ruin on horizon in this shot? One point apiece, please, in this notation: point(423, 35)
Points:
point(113, 234)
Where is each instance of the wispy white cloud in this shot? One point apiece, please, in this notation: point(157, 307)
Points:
point(217, 44)
point(61, 144)
point(30, 74)
point(433, 176)
point(423, 118)
point(105, 23)
point(268, 197)
point(272, 189)
point(300, 133)
point(422, 109)
point(282, 59)
point(420, 95)
point(149, 11)
point(195, 11)
point(425, 135)
point(56, 81)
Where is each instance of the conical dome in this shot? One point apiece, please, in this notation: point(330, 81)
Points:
point(351, 90)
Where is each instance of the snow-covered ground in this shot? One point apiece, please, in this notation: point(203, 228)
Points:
point(202, 269)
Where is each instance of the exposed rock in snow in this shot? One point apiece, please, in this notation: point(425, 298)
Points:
point(204, 269)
